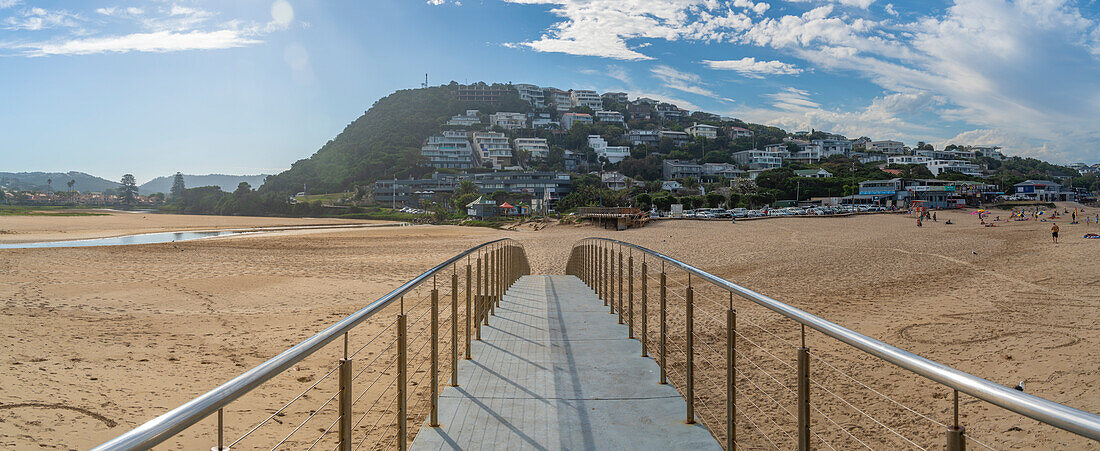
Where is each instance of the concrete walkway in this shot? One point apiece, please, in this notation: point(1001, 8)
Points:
point(555, 371)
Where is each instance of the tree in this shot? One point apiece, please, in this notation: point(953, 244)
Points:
point(128, 189)
point(49, 182)
point(177, 186)
point(71, 182)
point(465, 187)
point(643, 201)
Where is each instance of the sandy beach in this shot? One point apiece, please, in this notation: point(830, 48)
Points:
point(98, 340)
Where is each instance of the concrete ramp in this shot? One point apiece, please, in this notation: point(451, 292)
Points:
point(555, 371)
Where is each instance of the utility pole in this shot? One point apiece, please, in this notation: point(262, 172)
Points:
point(797, 191)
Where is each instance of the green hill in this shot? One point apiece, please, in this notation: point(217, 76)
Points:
point(36, 181)
point(384, 142)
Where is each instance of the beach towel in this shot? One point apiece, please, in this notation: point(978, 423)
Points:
point(1092, 236)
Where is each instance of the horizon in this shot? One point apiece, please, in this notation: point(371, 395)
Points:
point(154, 88)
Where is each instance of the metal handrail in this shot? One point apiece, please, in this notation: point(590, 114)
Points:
point(1058, 415)
point(176, 420)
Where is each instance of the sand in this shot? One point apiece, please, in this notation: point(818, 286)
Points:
point(99, 340)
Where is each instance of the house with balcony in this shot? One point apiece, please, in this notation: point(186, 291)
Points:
point(532, 94)
point(738, 132)
point(537, 147)
point(613, 117)
point(889, 147)
point(638, 137)
point(451, 150)
point(616, 97)
point(703, 130)
point(508, 121)
point(940, 166)
point(679, 139)
point(560, 100)
point(468, 119)
point(494, 148)
point(1044, 191)
point(813, 173)
point(584, 97)
point(715, 172)
point(758, 159)
point(639, 112)
point(667, 111)
point(614, 154)
point(830, 147)
point(678, 169)
point(907, 159)
point(569, 119)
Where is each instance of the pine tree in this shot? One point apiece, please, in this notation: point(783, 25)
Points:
point(177, 186)
point(128, 189)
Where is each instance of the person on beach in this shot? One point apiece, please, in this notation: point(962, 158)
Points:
point(934, 217)
point(919, 224)
point(1054, 232)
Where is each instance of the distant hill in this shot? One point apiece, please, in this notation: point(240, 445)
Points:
point(385, 141)
point(36, 181)
point(227, 183)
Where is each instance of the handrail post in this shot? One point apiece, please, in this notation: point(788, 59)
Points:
point(434, 421)
point(606, 280)
point(664, 326)
point(645, 285)
point(956, 435)
point(620, 290)
point(491, 277)
point(345, 404)
point(469, 313)
point(611, 280)
point(454, 329)
point(402, 377)
point(477, 302)
point(630, 297)
point(803, 397)
point(690, 331)
point(221, 432)
point(731, 378)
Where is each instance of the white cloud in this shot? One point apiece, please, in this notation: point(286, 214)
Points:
point(160, 41)
point(9, 3)
point(34, 19)
point(750, 67)
point(793, 109)
point(681, 81)
point(889, 8)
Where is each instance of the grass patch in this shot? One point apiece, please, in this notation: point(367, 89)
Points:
point(29, 210)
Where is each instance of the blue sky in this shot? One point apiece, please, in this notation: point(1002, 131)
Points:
point(157, 86)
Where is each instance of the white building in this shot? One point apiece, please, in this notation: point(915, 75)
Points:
point(940, 166)
point(813, 173)
point(987, 151)
point(892, 147)
point(568, 119)
point(758, 159)
point(614, 117)
point(538, 147)
point(494, 148)
point(450, 150)
point(907, 159)
point(532, 94)
point(470, 118)
point(584, 97)
point(704, 130)
point(614, 154)
point(508, 121)
point(722, 170)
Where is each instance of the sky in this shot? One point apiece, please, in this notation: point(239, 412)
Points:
point(151, 87)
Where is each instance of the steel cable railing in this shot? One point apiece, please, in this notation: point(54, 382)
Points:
point(408, 355)
point(679, 308)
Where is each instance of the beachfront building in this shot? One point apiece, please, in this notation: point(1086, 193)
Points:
point(614, 154)
point(679, 139)
point(907, 159)
point(830, 147)
point(940, 166)
point(482, 207)
point(903, 192)
point(465, 120)
point(537, 147)
point(758, 159)
point(890, 147)
point(613, 117)
point(638, 137)
point(508, 121)
point(704, 130)
point(615, 181)
point(738, 132)
point(494, 148)
point(813, 173)
point(568, 119)
point(450, 150)
point(539, 185)
point(1043, 191)
point(584, 97)
point(616, 97)
point(678, 169)
point(531, 94)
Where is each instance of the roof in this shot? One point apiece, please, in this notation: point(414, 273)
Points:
point(740, 128)
point(481, 201)
point(1035, 182)
point(507, 205)
point(811, 171)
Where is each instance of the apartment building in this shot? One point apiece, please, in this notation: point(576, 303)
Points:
point(494, 148)
point(568, 119)
point(480, 93)
point(678, 169)
point(639, 112)
point(508, 121)
point(617, 97)
point(637, 137)
point(613, 117)
point(890, 147)
point(614, 154)
point(738, 132)
point(907, 159)
point(830, 147)
point(532, 94)
point(679, 139)
point(721, 171)
point(940, 166)
point(450, 150)
point(584, 97)
point(758, 159)
point(704, 130)
point(537, 147)
point(668, 111)
point(560, 100)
